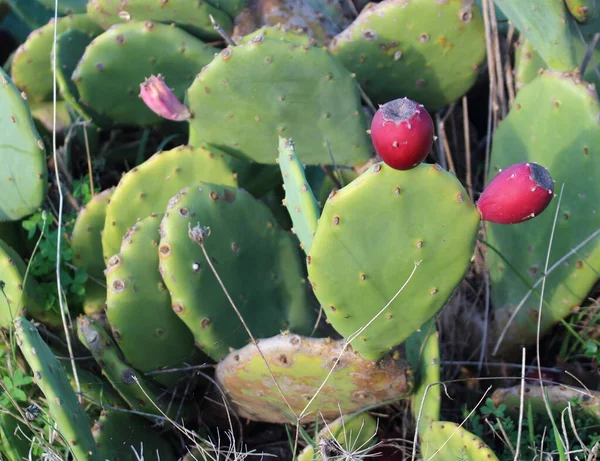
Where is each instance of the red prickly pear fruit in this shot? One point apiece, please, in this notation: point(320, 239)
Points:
point(161, 99)
point(402, 133)
point(518, 193)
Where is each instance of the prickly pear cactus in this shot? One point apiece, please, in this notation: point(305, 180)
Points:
point(273, 88)
point(257, 262)
point(582, 10)
point(352, 434)
point(447, 441)
point(555, 117)
point(73, 423)
point(435, 59)
point(138, 306)
point(353, 264)
point(22, 156)
point(21, 294)
point(86, 243)
point(131, 386)
point(70, 46)
point(189, 15)
point(118, 434)
point(31, 68)
point(137, 195)
point(528, 60)
point(300, 366)
point(528, 63)
point(299, 198)
point(423, 353)
point(129, 53)
point(546, 24)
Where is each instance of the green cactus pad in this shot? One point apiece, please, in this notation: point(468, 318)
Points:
point(546, 24)
point(138, 306)
point(70, 46)
point(251, 93)
point(454, 443)
point(582, 10)
point(31, 68)
point(423, 353)
point(86, 243)
point(130, 53)
point(98, 391)
point(137, 195)
point(139, 396)
point(193, 16)
point(22, 156)
point(433, 59)
point(300, 366)
point(258, 263)
point(73, 423)
point(116, 433)
point(559, 398)
point(279, 32)
point(553, 118)
point(528, 61)
point(369, 238)
point(22, 298)
point(299, 198)
point(352, 434)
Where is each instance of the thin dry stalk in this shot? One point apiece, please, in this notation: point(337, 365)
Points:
point(539, 320)
point(60, 213)
point(521, 407)
point(465, 105)
point(497, 60)
point(508, 70)
point(493, 105)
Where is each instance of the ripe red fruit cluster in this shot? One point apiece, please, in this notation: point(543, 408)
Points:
point(518, 193)
point(402, 133)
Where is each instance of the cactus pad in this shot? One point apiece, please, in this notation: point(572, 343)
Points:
point(299, 198)
point(22, 156)
point(49, 375)
point(138, 196)
point(249, 94)
point(117, 434)
point(546, 24)
point(70, 46)
point(423, 353)
point(453, 443)
point(128, 54)
point(369, 238)
point(553, 118)
point(139, 395)
point(22, 298)
point(31, 68)
point(300, 365)
point(352, 434)
point(193, 16)
point(258, 263)
point(433, 59)
point(86, 243)
point(138, 306)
